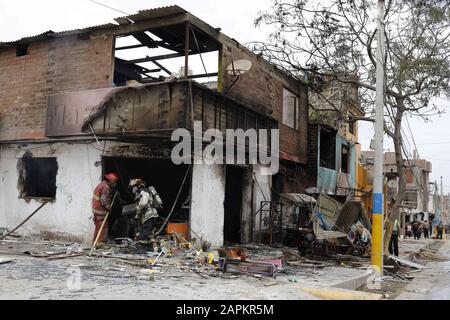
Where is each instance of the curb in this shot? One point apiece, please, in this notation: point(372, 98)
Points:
point(355, 283)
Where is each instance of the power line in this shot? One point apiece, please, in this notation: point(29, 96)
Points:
point(104, 5)
point(433, 143)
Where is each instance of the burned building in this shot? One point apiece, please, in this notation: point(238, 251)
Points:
point(77, 104)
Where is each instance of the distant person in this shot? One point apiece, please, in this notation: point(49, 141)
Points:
point(440, 230)
point(425, 226)
point(393, 244)
point(408, 230)
point(415, 229)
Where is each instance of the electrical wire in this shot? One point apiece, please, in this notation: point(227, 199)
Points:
point(104, 5)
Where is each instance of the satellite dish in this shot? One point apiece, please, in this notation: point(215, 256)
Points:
point(391, 184)
point(239, 67)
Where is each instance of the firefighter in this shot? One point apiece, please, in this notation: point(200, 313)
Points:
point(101, 204)
point(148, 201)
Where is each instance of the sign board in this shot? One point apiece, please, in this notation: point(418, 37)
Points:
point(67, 112)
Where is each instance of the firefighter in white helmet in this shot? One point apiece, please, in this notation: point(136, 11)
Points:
point(148, 201)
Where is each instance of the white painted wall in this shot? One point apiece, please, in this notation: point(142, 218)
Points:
point(69, 215)
point(207, 210)
point(247, 209)
point(262, 192)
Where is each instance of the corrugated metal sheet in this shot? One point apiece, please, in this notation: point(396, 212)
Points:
point(140, 16)
point(51, 34)
point(156, 13)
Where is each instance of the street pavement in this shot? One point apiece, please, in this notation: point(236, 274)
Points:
point(432, 283)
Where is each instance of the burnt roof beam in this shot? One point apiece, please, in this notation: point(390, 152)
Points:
point(159, 65)
point(155, 58)
point(146, 40)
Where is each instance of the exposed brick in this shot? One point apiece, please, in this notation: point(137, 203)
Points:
point(51, 67)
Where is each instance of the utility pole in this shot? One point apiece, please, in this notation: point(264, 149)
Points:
point(442, 202)
point(377, 214)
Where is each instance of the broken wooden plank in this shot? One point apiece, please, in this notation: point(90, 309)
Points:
point(4, 261)
point(73, 255)
point(271, 284)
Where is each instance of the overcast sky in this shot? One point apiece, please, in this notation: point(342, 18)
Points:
point(21, 18)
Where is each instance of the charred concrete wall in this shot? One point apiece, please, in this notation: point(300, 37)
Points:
point(68, 215)
point(53, 66)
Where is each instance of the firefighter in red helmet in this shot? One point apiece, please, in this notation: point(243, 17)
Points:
point(101, 204)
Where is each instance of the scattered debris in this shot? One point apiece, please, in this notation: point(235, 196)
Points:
point(293, 279)
point(247, 267)
point(4, 261)
point(270, 284)
point(408, 263)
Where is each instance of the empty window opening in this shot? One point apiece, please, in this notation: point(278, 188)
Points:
point(161, 174)
point(345, 159)
point(21, 50)
point(327, 149)
point(233, 204)
point(38, 177)
point(352, 126)
point(290, 109)
point(159, 54)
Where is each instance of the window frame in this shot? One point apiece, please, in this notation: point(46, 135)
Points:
point(296, 111)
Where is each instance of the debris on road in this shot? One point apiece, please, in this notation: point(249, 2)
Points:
point(4, 261)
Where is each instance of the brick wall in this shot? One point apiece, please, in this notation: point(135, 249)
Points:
point(50, 67)
point(262, 89)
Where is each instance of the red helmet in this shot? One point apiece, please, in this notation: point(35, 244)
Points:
point(112, 177)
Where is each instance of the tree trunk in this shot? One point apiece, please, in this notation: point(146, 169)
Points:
point(394, 212)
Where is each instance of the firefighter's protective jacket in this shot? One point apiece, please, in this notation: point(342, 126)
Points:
point(149, 201)
point(101, 199)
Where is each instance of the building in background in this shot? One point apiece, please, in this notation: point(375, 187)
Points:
point(333, 142)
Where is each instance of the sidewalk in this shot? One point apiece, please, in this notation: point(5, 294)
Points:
point(29, 277)
point(433, 282)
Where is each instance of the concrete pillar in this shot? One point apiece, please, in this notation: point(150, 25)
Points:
point(207, 210)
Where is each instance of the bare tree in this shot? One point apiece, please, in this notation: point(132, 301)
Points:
point(318, 39)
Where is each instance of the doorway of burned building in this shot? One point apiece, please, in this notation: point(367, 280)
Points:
point(234, 182)
point(162, 174)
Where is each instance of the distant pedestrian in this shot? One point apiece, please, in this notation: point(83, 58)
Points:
point(431, 229)
point(393, 244)
point(440, 230)
point(408, 230)
point(415, 229)
point(425, 226)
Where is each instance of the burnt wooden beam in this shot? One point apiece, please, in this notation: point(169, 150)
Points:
point(154, 58)
point(186, 49)
point(150, 71)
point(146, 40)
point(159, 65)
point(213, 74)
point(130, 47)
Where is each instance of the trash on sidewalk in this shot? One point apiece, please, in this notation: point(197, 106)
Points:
point(247, 267)
point(232, 253)
point(4, 261)
point(408, 263)
point(429, 254)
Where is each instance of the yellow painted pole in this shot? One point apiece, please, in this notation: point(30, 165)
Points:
point(377, 242)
